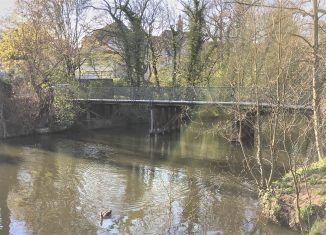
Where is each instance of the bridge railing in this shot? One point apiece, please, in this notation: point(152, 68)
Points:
point(95, 75)
point(268, 95)
point(156, 93)
point(215, 94)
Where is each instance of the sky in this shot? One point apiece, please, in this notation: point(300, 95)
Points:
point(6, 6)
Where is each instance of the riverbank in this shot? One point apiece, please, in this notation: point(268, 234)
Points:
point(280, 204)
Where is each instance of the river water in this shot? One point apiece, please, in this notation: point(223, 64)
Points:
point(178, 184)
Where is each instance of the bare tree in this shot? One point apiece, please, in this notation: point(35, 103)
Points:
point(153, 25)
point(315, 15)
point(127, 35)
point(317, 84)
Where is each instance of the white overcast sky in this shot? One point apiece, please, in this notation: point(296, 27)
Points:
point(6, 6)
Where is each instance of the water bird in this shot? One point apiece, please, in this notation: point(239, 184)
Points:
point(105, 214)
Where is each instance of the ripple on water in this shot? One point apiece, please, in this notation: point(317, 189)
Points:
point(102, 186)
point(106, 186)
point(85, 150)
point(146, 195)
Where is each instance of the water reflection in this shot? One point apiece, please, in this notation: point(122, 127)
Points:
point(178, 184)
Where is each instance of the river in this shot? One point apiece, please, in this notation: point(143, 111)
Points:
point(178, 184)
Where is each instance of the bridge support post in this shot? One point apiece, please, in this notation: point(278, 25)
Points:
point(164, 119)
point(88, 115)
point(108, 111)
point(168, 117)
point(151, 130)
point(3, 126)
point(243, 129)
point(176, 125)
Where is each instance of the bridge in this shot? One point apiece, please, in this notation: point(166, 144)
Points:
point(165, 103)
point(187, 96)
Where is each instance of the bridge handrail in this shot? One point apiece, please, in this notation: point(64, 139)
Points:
point(158, 93)
point(220, 94)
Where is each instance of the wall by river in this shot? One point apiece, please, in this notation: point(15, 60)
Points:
point(3, 100)
point(16, 118)
point(17, 115)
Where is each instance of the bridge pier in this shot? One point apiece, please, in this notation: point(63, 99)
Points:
point(164, 119)
point(98, 115)
point(243, 128)
point(3, 125)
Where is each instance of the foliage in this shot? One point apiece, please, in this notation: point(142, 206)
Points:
point(323, 199)
point(270, 203)
point(19, 42)
point(284, 185)
point(127, 36)
point(319, 228)
point(317, 168)
point(64, 110)
point(307, 212)
point(98, 58)
point(195, 40)
point(278, 203)
point(314, 174)
point(43, 49)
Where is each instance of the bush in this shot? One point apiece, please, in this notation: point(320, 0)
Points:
point(319, 228)
point(64, 110)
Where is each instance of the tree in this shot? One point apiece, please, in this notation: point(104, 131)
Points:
point(195, 11)
point(317, 83)
point(44, 48)
point(24, 48)
point(152, 25)
point(175, 42)
point(128, 37)
point(313, 55)
point(67, 24)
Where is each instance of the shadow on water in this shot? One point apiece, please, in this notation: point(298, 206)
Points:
point(34, 193)
point(5, 159)
point(8, 180)
point(133, 144)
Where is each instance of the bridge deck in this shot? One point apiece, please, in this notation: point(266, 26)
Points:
point(190, 96)
point(245, 105)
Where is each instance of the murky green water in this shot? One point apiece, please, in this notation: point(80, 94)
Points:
point(179, 184)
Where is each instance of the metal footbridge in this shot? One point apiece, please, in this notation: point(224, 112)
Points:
point(190, 96)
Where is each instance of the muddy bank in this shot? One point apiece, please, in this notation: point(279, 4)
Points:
point(302, 207)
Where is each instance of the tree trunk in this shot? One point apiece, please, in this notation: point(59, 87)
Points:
point(174, 56)
point(258, 121)
point(154, 62)
point(316, 85)
point(46, 98)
